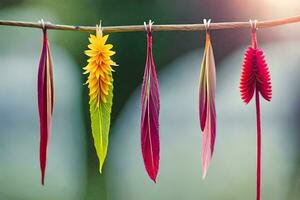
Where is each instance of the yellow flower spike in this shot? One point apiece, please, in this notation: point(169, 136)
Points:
point(100, 84)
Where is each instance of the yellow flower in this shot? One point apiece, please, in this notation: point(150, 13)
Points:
point(99, 67)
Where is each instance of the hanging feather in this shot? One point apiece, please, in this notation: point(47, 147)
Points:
point(207, 110)
point(150, 113)
point(45, 101)
point(100, 84)
point(255, 78)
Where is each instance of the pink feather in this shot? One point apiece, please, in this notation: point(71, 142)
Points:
point(150, 115)
point(207, 110)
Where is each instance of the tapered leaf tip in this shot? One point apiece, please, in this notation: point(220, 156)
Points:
point(153, 175)
point(153, 179)
point(43, 180)
point(205, 166)
point(204, 174)
point(101, 166)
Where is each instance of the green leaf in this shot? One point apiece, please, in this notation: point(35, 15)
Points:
point(100, 122)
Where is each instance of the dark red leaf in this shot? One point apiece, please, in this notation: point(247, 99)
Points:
point(150, 115)
point(45, 101)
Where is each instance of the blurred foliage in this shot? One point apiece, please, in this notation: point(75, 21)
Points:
point(9, 3)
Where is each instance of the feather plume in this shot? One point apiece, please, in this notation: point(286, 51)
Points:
point(207, 110)
point(45, 101)
point(255, 78)
point(150, 115)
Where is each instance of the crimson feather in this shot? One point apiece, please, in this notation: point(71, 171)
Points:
point(45, 101)
point(255, 75)
point(150, 115)
point(255, 78)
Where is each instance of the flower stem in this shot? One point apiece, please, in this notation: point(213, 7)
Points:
point(258, 162)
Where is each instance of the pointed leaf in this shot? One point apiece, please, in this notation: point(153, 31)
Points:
point(45, 101)
point(100, 122)
point(100, 84)
point(207, 110)
point(150, 115)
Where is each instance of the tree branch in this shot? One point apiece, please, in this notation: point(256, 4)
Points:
point(169, 27)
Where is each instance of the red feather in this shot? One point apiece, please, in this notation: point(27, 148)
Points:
point(45, 101)
point(255, 78)
point(150, 115)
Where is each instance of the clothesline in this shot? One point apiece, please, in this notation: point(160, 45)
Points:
point(168, 27)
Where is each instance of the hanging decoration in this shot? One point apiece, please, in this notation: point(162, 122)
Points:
point(255, 79)
point(45, 99)
point(100, 84)
point(207, 110)
point(150, 106)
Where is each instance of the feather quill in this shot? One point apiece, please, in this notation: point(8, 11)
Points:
point(45, 101)
point(150, 105)
point(255, 78)
point(207, 110)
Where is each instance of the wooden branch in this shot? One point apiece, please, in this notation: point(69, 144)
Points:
point(169, 27)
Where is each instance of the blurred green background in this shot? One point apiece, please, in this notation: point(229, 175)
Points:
point(72, 171)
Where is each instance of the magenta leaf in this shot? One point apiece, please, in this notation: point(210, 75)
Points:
point(150, 115)
point(45, 101)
